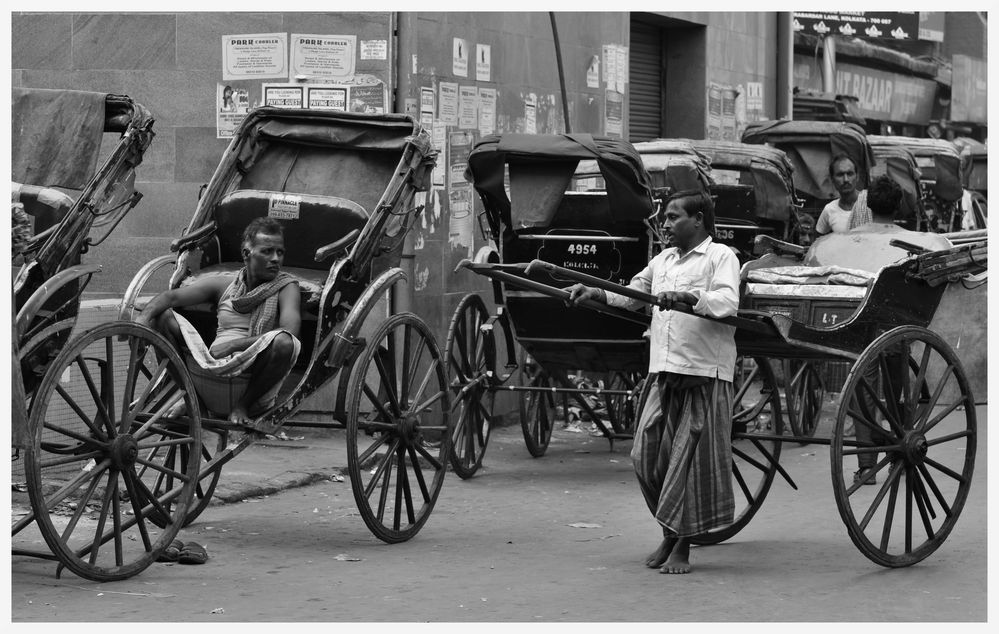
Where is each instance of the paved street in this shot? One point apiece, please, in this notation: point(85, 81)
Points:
point(502, 547)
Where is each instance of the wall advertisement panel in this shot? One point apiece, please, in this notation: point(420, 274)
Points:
point(883, 95)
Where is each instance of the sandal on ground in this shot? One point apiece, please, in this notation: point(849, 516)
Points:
point(172, 552)
point(860, 474)
point(192, 554)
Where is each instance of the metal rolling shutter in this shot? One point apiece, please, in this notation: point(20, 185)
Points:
point(645, 74)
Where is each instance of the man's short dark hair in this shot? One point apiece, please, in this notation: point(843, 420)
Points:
point(884, 196)
point(263, 224)
point(692, 201)
point(837, 159)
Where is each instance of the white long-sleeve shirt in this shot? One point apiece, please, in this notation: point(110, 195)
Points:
point(683, 343)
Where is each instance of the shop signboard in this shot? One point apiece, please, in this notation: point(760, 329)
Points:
point(969, 90)
point(875, 25)
point(882, 95)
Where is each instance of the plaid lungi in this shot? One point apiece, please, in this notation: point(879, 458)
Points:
point(683, 453)
point(221, 382)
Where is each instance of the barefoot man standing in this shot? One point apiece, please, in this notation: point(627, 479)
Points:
point(682, 450)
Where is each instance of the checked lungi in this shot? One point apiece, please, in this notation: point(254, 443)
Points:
point(682, 453)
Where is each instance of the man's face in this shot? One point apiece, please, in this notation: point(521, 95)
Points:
point(844, 177)
point(680, 228)
point(263, 258)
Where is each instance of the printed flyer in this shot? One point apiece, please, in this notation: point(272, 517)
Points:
point(256, 56)
point(330, 57)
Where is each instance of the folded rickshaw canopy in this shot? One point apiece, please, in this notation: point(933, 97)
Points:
point(540, 168)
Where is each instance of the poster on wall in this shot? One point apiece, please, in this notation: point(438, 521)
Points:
point(327, 98)
point(438, 137)
point(621, 57)
point(610, 65)
point(468, 107)
point(483, 62)
point(284, 95)
point(714, 112)
point(487, 111)
point(254, 56)
point(459, 58)
point(613, 113)
point(530, 114)
point(231, 105)
point(460, 195)
point(728, 123)
point(330, 57)
point(447, 104)
point(369, 97)
point(426, 106)
point(593, 73)
point(374, 49)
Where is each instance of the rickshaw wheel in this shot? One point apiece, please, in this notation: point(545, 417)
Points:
point(755, 407)
point(804, 392)
point(111, 471)
point(398, 428)
point(622, 410)
point(537, 409)
point(911, 395)
point(471, 358)
point(213, 443)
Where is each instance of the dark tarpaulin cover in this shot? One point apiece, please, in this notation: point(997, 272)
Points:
point(947, 161)
point(768, 170)
point(810, 146)
point(55, 136)
point(541, 166)
point(900, 165)
point(349, 155)
point(676, 164)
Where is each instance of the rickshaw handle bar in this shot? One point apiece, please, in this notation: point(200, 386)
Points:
point(737, 321)
point(605, 285)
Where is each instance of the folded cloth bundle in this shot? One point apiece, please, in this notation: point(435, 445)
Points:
point(830, 274)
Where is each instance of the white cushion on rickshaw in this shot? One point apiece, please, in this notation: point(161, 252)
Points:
point(825, 291)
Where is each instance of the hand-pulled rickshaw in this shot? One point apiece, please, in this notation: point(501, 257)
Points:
point(86, 522)
point(906, 387)
point(949, 208)
point(578, 201)
point(906, 384)
point(344, 187)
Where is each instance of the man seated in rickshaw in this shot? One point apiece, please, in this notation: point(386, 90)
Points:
point(851, 209)
point(866, 246)
point(259, 317)
point(682, 451)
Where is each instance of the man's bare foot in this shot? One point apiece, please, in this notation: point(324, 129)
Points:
point(238, 415)
point(659, 555)
point(678, 562)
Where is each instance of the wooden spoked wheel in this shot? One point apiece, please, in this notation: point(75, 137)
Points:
point(912, 416)
point(213, 442)
point(623, 410)
point(113, 463)
point(756, 407)
point(804, 392)
point(398, 428)
point(537, 408)
point(471, 357)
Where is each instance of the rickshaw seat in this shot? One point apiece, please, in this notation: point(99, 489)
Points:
point(309, 221)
